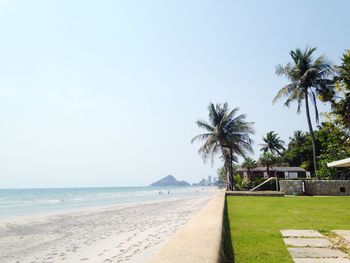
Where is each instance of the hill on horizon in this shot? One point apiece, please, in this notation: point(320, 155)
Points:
point(169, 181)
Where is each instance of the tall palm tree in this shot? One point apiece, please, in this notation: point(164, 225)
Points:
point(309, 77)
point(249, 163)
point(272, 143)
point(225, 134)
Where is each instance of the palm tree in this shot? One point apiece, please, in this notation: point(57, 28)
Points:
point(267, 159)
point(341, 107)
point(298, 138)
point(272, 143)
point(249, 163)
point(309, 77)
point(298, 141)
point(225, 134)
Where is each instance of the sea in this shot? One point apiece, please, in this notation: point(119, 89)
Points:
point(23, 202)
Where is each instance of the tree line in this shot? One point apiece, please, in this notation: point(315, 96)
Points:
point(310, 79)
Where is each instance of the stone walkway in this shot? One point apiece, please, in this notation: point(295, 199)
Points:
point(345, 234)
point(310, 246)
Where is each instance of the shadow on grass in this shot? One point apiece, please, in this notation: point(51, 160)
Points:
point(228, 255)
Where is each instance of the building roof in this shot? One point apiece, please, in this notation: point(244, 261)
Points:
point(272, 169)
point(340, 163)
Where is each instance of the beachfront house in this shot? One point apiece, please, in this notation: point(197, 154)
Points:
point(279, 172)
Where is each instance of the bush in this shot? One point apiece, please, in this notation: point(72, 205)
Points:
point(241, 184)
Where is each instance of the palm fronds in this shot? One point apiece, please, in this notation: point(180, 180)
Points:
point(226, 134)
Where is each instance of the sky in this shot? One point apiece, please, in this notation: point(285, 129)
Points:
point(106, 93)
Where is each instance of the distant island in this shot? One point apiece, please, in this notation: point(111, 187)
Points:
point(169, 181)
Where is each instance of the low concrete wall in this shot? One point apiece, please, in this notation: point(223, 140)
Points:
point(254, 193)
point(291, 187)
point(200, 240)
point(328, 187)
point(315, 187)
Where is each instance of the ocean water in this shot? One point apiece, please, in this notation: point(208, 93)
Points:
point(22, 202)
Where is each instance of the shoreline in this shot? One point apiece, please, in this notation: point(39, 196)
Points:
point(98, 207)
point(118, 233)
point(69, 207)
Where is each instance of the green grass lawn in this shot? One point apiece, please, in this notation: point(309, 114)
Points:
point(254, 223)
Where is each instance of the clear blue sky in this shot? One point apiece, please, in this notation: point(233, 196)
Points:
point(106, 93)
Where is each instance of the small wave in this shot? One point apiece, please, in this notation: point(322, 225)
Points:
point(111, 196)
point(49, 201)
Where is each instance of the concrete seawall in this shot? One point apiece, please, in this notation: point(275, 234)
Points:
point(198, 241)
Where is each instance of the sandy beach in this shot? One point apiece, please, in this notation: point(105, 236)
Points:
point(129, 233)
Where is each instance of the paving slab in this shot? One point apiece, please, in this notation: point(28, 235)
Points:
point(300, 233)
point(321, 260)
point(307, 242)
point(343, 233)
point(307, 252)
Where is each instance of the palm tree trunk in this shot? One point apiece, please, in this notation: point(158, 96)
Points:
point(313, 140)
point(230, 184)
point(231, 171)
point(227, 174)
point(268, 169)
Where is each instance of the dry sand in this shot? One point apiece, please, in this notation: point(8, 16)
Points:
point(131, 233)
